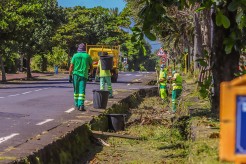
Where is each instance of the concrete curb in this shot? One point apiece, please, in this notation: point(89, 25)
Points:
point(68, 142)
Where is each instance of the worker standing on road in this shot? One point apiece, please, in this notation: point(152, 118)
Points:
point(78, 74)
point(177, 89)
point(163, 83)
point(105, 77)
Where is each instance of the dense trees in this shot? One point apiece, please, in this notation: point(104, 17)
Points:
point(220, 25)
point(211, 30)
point(44, 34)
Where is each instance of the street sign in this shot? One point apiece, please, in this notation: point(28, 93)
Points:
point(161, 53)
point(233, 120)
point(241, 125)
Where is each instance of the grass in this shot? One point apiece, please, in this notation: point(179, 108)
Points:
point(191, 137)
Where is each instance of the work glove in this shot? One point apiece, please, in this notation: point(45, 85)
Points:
point(96, 78)
point(70, 79)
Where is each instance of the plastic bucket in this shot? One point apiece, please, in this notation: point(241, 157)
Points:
point(100, 99)
point(116, 122)
point(106, 62)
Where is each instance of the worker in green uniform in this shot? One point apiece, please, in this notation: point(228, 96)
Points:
point(177, 89)
point(105, 77)
point(163, 83)
point(78, 74)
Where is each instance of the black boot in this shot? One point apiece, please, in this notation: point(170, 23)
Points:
point(82, 108)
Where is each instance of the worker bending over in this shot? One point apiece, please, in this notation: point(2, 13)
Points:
point(163, 83)
point(177, 89)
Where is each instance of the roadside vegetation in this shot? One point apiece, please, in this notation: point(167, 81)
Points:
point(204, 39)
point(189, 136)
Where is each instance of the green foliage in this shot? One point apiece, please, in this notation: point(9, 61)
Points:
point(205, 87)
point(11, 62)
point(221, 19)
point(137, 56)
point(36, 26)
point(58, 57)
point(141, 68)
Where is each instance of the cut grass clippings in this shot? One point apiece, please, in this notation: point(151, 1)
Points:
point(191, 137)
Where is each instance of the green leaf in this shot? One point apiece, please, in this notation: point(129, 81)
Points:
point(136, 29)
point(200, 9)
point(228, 48)
point(133, 38)
point(225, 21)
point(202, 62)
point(233, 5)
point(143, 11)
point(239, 16)
point(219, 18)
point(143, 49)
point(229, 43)
point(150, 36)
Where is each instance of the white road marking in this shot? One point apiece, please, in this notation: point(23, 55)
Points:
point(128, 74)
point(138, 75)
point(70, 110)
point(38, 90)
point(13, 95)
point(43, 122)
point(3, 139)
point(26, 92)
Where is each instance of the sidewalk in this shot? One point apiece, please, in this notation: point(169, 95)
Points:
point(20, 75)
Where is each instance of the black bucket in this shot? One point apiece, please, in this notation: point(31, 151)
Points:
point(106, 62)
point(116, 122)
point(100, 99)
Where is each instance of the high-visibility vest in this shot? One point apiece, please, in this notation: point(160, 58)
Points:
point(177, 83)
point(163, 75)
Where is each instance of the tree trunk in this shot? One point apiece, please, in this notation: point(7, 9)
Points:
point(223, 65)
point(28, 68)
point(207, 29)
point(21, 63)
point(3, 70)
point(44, 63)
point(197, 40)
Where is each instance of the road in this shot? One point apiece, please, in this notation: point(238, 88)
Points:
point(27, 110)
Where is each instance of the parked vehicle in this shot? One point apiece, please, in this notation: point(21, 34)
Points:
point(96, 51)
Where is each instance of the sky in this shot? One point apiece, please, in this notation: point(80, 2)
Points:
point(93, 3)
point(104, 3)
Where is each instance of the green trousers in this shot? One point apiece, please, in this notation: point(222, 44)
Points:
point(175, 94)
point(163, 92)
point(106, 80)
point(79, 84)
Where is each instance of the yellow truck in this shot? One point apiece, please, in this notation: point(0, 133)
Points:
point(96, 50)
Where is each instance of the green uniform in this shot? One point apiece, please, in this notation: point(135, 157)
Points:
point(105, 78)
point(81, 62)
point(163, 84)
point(177, 89)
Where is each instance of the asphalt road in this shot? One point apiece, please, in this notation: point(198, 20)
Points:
point(27, 110)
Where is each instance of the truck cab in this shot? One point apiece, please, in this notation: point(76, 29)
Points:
point(96, 50)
